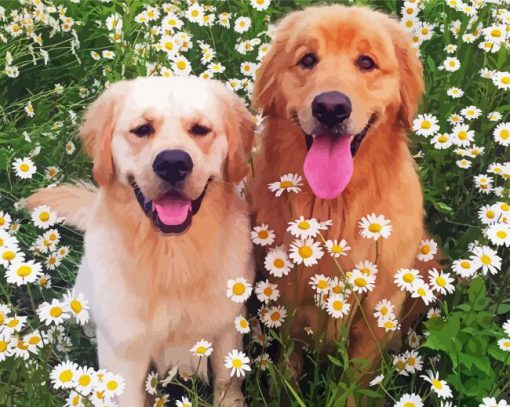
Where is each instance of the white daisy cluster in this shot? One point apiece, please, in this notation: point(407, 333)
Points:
point(85, 384)
point(420, 31)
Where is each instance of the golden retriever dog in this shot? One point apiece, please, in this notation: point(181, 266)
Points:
point(161, 228)
point(339, 88)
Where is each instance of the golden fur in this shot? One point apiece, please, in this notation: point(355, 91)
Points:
point(385, 179)
point(153, 296)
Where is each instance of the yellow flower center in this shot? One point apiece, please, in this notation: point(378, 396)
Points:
point(22, 345)
point(425, 249)
point(506, 344)
point(169, 46)
point(8, 255)
point(375, 228)
point(181, 65)
point(13, 323)
point(243, 323)
point(409, 404)
point(360, 282)
point(337, 305)
point(462, 135)
point(275, 316)
point(263, 234)
point(504, 134)
point(400, 365)
point(304, 225)
point(285, 184)
point(505, 80)
point(305, 252)
point(426, 124)
point(66, 376)
point(389, 324)
point(337, 249)
point(44, 216)
point(238, 288)
point(24, 271)
point(112, 385)
point(465, 264)
point(76, 400)
point(201, 350)
point(237, 363)
point(24, 167)
point(441, 282)
point(3, 346)
point(84, 380)
point(501, 234)
point(504, 206)
point(322, 284)
point(437, 384)
point(194, 13)
point(496, 33)
point(421, 292)
point(408, 277)
point(490, 214)
point(442, 138)
point(76, 306)
point(55, 312)
point(486, 260)
point(384, 310)
point(278, 263)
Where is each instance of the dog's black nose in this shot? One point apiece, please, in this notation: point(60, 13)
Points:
point(172, 165)
point(331, 108)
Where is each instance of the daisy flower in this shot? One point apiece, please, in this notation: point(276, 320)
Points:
point(263, 361)
point(266, 291)
point(425, 125)
point(463, 163)
point(375, 226)
point(181, 66)
point(202, 348)
point(488, 214)
point(63, 376)
point(499, 234)
point(451, 64)
point(462, 136)
point(506, 327)
point(43, 217)
point(260, 5)
point(306, 251)
point(501, 80)
point(423, 291)
point(277, 262)
point(337, 248)
point(238, 290)
point(19, 348)
point(242, 325)
point(337, 306)
point(304, 228)
point(320, 283)
point(238, 362)
point(112, 384)
point(274, 317)
point(184, 402)
point(54, 312)
point(440, 387)
point(5, 223)
point(77, 305)
point(441, 282)
point(151, 383)
point(85, 380)
point(389, 323)
point(455, 118)
point(262, 235)
point(465, 268)
point(409, 400)
point(376, 380)
point(504, 344)
point(405, 278)
point(427, 250)
point(433, 313)
point(338, 286)
point(399, 361)
point(5, 346)
point(494, 116)
point(23, 272)
point(10, 254)
point(361, 282)
point(52, 262)
point(486, 259)
point(384, 308)
point(24, 167)
point(455, 92)
point(492, 402)
point(195, 13)
point(33, 341)
point(242, 24)
point(70, 148)
point(502, 134)
point(288, 182)
point(471, 112)
point(4, 311)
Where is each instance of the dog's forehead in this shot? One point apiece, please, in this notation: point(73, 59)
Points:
point(175, 96)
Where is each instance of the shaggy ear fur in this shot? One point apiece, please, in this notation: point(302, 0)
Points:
point(97, 131)
point(411, 75)
point(240, 128)
point(265, 91)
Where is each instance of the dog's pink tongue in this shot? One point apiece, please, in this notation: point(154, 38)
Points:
point(328, 165)
point(172, 210)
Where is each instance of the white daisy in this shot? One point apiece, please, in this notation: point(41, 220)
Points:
point(262, 235)
point(184, 402)
point(494, 116)
point(5, 346)
point(54, 312)
point(455, 92)
point(306, 251)
point(463, 163)
point(465, 268)
point(112, 384)
point(425, 125)
point(337, 248)
point(241, 324)
point(181, 66)
point(260, 5)
point(238, 362)
point(492, 402)
point(202, 348)
point(5, 223)
point(409, 400)
point(423, 291)
point(151, 383)
point(242, 24)
point(499, 234)
point(504, 344)
point(501, 80)
point(502, 134)
point(63, 376)
point(86, 380)
point(389, 323)
point(414, 362)
point(277, 262)
point(399, 362)
point(384, 308)
point(405, 278)
point(337, 306)
point(440, 387)
point(441, 282)
point(288, 182)
point(451, 64)
point(266, 291)
point(23, 272)
point(195, 13)
point(361, 282)
point(433, 313)
point(486, 259)
point(24, 167)
point(263, 361)
point(274, 316)
point(462, 136)
point(304, 228)
point(471, 112)
point(376, 380)
point(455, 118)
point(77, 306)
point(427, 250)
point(43, 217)
point(320, 283)
point(238, 290)
point(375, 226)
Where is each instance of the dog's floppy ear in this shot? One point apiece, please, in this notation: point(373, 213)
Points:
point(97, 131)
point(239, 128)
point(411, 75)
point(265, 90)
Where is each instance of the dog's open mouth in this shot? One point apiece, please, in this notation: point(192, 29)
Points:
point(328, 165)
point(171, 212)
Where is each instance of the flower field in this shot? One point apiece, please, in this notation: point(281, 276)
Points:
point(57, 57)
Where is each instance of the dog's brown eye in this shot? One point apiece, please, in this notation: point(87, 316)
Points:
point(199, 130)
point(143, 131)
point(308, 61)
point(365, 63)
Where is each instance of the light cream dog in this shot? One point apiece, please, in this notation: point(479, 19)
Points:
point(166, 229)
